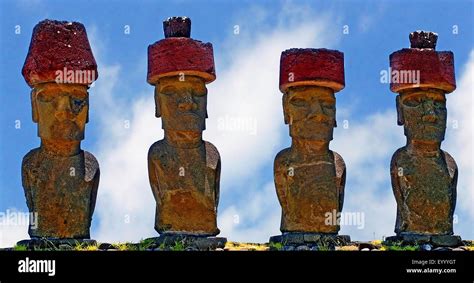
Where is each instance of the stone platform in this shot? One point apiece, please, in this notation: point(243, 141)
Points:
point(421, 239)
point(189, 242)
point(310, 241)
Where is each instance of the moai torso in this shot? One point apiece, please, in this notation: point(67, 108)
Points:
point(308, 190)
point(183, 169)
point(309, 177)
point(185, 182)
point(62, 191)
point(425, 190)
point(424, 177)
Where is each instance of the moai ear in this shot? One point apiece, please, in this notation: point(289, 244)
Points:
point(87, 117)
point(206, 114)
point(157, 103)
point(34, 106)
point(286, 115)
point(400, 118)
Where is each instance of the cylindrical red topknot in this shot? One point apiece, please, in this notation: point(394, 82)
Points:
point(319, 67)
point(59, 52)
point(176, 54)
point(422, 66)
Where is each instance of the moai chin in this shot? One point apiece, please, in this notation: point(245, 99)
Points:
point(424, 177)
point(60, 179)
point(184, 170)
point(309, 177)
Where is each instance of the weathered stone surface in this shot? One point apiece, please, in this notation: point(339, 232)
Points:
point(178, 54)
point(184, 170)
point(311, 239)
point(310, 178)
point(60, 180)
point(318, 67)
point(423, 39)
point(424, 177)
point(177, 27)
point(427, 242)
point(56, 45)
point(190, 242)
point(446, 240)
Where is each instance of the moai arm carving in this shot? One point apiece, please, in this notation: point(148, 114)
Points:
point(340, 177)
point(152, 174)
point(218, 181)
point(453, 172)
point(280, 175)
point(396, 173)
point(92, 175)
point(213, 164)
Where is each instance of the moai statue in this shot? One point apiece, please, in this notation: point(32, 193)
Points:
point(309, 177)
point(423, 176)
point(59, 178)
point(184, 170)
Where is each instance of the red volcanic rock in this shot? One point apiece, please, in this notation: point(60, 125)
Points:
point(436, 69)
point(429, 68)
point(175, 55)
point(178, 54)
point(177, 27)
point(58, 46)
point(319, 67)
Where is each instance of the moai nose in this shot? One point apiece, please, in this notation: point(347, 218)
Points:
point(63, 110)
point(187, 104)
point(430, 113)
point(316, 111)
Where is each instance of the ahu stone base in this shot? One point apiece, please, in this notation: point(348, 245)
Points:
point(423, 239)
point(188, 242)
point(308, 241)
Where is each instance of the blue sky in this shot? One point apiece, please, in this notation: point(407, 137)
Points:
point(122, 124)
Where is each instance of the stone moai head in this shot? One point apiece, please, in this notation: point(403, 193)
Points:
point(422, 76)
point(309, 78)
point(180, 67)
point(59, 68)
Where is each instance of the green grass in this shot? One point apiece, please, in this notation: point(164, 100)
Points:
point(178, 246)
point(20, 248)
point(399, 247)
point(276, 246)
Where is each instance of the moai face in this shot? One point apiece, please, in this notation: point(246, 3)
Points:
point(423, 114)
point(181, 103)
point(61, 110)
point(311, 112)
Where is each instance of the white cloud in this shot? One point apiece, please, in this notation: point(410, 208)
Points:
point(13, 227)
point(366, 147)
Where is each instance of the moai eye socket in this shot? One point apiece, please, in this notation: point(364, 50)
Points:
point(167, 90)
point(298, 102)
point(44, 96)
point(77, 103)
point(412, 101)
